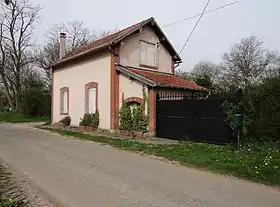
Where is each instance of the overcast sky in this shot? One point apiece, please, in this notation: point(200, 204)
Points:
point(214, 35)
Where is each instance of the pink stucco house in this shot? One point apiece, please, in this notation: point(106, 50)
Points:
point(121, 66)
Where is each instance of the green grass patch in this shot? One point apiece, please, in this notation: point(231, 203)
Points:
point(12, 117)
point(259, 162)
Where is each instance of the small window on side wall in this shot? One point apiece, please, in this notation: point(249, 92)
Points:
point(91, 94)
point(148, 55)
point(64, 101)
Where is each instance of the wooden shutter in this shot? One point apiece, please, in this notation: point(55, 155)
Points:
point(92, 100)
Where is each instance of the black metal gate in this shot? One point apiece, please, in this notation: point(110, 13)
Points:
point(184, 117)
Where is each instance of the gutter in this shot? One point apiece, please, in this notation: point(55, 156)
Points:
point(135, 76)
point(180, 87)
point(79, 55)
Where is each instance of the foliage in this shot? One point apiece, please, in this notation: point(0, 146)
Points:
point(13, 117)
point(256, 161)
point(184, 75)
point(260, 106)
point(230, 110)
point(204, 80)
point(262, 109)
point(36, 98)
point(17, 24)
point(139, 119)
point(10, 203)
point(204, 73)
point(90, 120)
point(66, 120)
point(10, 194)
point(245, 63)
point(133, 119)
point(78, 34)
point(125, 116)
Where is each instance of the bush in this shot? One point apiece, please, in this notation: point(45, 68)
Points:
point(133, 120)
point(140, 120)
point(90, 120)
point(262, 109)
point(125, 117)
point(36, 98)
point(66, 120)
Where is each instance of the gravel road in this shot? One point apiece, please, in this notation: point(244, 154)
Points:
point(82, 173)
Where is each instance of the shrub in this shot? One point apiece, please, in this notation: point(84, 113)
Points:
point(90, 120)
point(133, 120)
point(140, 120)
point(125, 117)
point(66, 120)
point(261, 105)
point(36, 98)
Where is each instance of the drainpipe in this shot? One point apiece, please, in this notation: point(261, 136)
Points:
point(112, 50)
point(177, 64)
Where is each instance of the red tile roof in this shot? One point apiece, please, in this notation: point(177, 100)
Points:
point(167, 80)
point(115, 38)
point(108, 39)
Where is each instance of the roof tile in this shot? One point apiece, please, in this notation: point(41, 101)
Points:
point(167, 80)
point(106, 40)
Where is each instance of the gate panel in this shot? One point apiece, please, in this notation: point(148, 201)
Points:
point(181, 118)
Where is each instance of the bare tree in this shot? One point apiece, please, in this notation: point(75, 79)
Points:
point(246, 62)
point(273, 68)
point(208, 71)
point(17, 20)
point(77, 35)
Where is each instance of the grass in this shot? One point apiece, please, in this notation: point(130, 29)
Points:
point(257, 162)
point(10, 194)
point(13, 117)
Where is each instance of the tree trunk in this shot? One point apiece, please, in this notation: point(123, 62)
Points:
point(18, 102)
point(7, 93)
point(9, 100)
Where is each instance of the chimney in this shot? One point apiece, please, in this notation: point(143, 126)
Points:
point(62, 45)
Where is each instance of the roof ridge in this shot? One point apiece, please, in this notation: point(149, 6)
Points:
point(108, 36)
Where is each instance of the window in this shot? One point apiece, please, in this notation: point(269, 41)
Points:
point(64, 101)
point(148, 55)
point(91, 97)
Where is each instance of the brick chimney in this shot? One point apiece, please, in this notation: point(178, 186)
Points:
point(62, 44)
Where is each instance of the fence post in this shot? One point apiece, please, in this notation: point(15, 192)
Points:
point(157, 112)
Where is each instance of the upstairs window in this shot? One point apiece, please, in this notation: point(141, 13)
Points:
point(64, 101)
point(91, 97)
point(148, 55)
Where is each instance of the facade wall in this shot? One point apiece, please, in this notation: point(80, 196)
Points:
point(75, 77)
point(129, 88)
point(130, 50)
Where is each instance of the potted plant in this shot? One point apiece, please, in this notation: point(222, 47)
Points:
point(90, 122)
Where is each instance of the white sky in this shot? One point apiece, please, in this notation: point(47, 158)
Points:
point(216, 32)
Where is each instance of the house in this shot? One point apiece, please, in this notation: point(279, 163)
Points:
point(121, 67)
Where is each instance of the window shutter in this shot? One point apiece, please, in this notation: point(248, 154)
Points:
point(92, 100)
point(143, 52)
point(151, 55)
point(65, 102)
point(61, 102)
point(148, 53)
